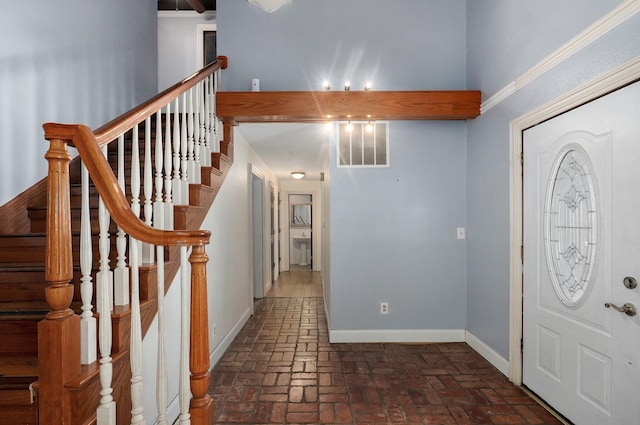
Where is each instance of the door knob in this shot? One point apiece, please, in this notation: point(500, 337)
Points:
point(628, 308)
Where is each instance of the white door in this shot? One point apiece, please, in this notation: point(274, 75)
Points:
point(581, 240)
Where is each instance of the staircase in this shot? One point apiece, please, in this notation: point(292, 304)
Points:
point(23, 282)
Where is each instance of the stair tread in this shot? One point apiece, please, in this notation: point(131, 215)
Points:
point(18, 369)
point(15, 309)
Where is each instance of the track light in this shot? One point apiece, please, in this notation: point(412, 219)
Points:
point(369, 127)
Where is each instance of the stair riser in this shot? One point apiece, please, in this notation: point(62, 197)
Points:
point(17, 286)
point(19, 337)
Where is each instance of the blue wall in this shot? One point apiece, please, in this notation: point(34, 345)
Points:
point(393, 230)
point(414, 45)
point(69, 61)
point(505, 40)
point(393, 233)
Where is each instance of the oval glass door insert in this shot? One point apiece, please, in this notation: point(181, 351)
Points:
point(571, 225)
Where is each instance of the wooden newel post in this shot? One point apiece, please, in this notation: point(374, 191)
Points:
point(201, 407)
point(59, 332)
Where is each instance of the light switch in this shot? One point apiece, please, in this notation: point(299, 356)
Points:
point(461, 233)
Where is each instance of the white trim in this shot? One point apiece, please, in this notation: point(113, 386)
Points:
point(498, 97)
point(616, 78)
point(326, 308)
point(488, 353)
point(222, 347)
point(200, 29)
point(605, 24)
point(289, 187)
point(397, 335)
point(387, 163)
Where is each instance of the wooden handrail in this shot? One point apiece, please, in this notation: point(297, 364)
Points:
point(107, 185)
point(59, 334)
point(124, 122)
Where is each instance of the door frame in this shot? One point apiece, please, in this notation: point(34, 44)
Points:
point(200, 30)
point(257, 222)
point(611, 81)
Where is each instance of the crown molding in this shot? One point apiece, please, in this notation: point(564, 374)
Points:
point(605, 24)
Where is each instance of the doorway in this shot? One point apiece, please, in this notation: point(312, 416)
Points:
point(300, 232)
point(619, 77)
point(257, 221)
point(581, 256)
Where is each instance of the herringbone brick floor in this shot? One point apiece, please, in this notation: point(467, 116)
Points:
point(281, 369)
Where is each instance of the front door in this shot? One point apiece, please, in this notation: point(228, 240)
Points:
point(582, 254)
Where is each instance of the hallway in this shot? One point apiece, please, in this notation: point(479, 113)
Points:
point(281, 369)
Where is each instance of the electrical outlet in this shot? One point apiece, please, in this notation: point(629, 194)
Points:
point(384, 308)
point(213, 331)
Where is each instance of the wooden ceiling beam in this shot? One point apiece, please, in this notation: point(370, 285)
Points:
point(320, 106)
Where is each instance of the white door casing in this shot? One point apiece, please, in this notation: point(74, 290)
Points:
point(620, 76)
point(582, 238)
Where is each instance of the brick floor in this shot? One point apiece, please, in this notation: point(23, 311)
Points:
point(281, 369)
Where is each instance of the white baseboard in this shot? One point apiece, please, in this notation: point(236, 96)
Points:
point(220, 349)
point(399, 335)
point(488, 353)
point(326, 313)
point(422, 336)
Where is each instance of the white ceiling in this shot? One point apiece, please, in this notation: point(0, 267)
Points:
point(287, 147)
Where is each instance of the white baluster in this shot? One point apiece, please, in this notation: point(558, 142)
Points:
point(168, 161)
point(215, 142)
point(196, 134)
point(104, 274)
point(161, 381)
point(88, 332)
point(191, 143)
point(219, 126)
point(135, 181)
point(158, 204)
point(106, 412)
point(203, 126)
point(206, 154)
point(135, 344)
point(177, 193)
point(121, 272)
point(184, 151)
point(147, 249)
point(184, 394)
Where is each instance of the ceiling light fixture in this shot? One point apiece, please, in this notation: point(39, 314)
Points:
point(297, 174)
point(369, 127)
point(269, 5)
point(326, 85)
point(349, 127)
point(367, 86)
point(347, 86)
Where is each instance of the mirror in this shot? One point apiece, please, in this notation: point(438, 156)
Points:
point(300, 215)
